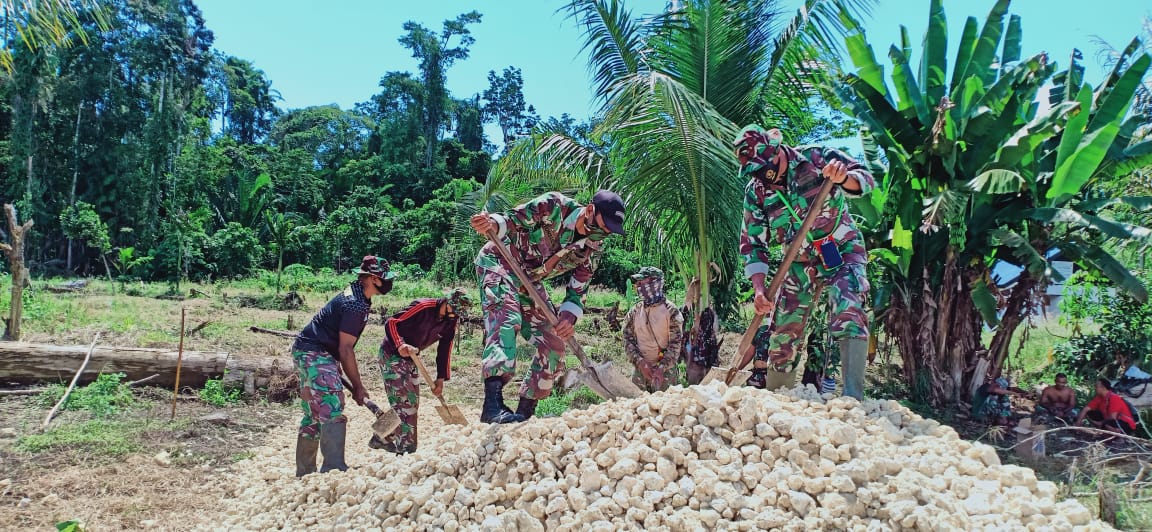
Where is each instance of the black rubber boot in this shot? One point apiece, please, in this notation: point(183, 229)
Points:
point(527, 408)
point(306, 455)
point(332, 436)
point(376, 443)
point(494, 410)
point(759, 378)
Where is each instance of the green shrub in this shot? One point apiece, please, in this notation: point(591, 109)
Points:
point(103, 397)
point(217, 394)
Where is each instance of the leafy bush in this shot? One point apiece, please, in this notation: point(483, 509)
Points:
point(617, 265)
point(1125, 336)
point(103, 397)
point(217, 394)
point(234, 251)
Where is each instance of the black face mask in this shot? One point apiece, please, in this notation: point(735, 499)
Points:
point(385, 286)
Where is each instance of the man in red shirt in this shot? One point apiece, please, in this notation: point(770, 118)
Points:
point(1107, 410)
point(425, 322)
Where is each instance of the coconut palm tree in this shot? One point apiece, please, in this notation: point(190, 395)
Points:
point(673, 90)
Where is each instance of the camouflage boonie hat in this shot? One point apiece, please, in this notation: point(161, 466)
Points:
point(648, 272)
point(758, 140)
point(460, 300)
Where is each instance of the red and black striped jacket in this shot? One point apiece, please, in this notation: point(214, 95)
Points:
point(420, 325)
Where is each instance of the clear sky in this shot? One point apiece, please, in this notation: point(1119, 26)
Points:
point(319, 53)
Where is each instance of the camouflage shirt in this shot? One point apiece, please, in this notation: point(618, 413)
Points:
point(542, 233)
point(773, 212)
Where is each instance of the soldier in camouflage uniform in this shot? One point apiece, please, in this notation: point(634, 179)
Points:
point(324, 348)
point(653, 334)
point(551, 236)
point(783, 181)
point(425, 322)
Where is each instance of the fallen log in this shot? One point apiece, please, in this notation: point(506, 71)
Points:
point(25, 363)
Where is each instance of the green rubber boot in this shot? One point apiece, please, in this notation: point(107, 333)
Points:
point(306, 455)
point(332, 436)
point(853, 362)
point(775, 380)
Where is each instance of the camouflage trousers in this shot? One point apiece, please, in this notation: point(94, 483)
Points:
point(655, 377)
point(321, 393)
point(776, 343)
point(508, 314)
point(403, 389)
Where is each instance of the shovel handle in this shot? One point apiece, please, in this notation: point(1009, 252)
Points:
point(368, 403)
point(743, 352)
point(427, 376)
point(542, 303)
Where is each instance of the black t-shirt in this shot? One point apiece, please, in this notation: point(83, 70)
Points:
point(345, 313)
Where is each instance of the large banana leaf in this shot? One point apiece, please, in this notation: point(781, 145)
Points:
point(1140, 203)
point(1103, 261)
point(1012, 39)
point(1074, 131)
point(1109, 228)
point(1116, 99)
point(985, 50)
point(985, 302)
point(934, 63)
point(1022, 249)
point(1082, 164)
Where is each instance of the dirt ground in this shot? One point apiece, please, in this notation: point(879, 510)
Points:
point(136, 490)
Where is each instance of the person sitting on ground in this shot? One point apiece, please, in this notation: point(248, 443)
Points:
point(1058, 400)
point(653, 332)
point(1107, 410)
point(425, 322)
point(991, 399)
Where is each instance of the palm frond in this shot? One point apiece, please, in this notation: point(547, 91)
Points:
point(615, 41)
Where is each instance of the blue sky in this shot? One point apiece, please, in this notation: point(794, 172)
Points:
point(319, 53)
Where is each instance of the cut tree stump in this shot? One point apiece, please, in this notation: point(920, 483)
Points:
point(14, 249)
point(25, 363)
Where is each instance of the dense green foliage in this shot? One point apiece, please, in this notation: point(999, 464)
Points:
point(148, 142)
point(1125, 329)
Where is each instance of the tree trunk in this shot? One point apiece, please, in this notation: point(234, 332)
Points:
point(15, 252)
point(937, 330)
point(75, 172)
point(1014, 313)
point(26, 363)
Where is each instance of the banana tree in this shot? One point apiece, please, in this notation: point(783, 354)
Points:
point(673, 91)
point(977, 173)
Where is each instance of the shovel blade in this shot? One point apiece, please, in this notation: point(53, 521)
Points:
point(386, 423)
point(451, 415)
point(604, 380)
point(720, 374)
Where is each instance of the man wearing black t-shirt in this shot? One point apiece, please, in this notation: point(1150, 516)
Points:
point(321, 351)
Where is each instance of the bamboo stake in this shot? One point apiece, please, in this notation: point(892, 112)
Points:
point(75, 379)
point(179, 358)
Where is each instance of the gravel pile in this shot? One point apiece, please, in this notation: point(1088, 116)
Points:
point(705, 457)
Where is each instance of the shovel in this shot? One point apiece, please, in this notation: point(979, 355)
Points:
point(744, 352)
point(603, 378)
point(386, 420)
point(451, 414)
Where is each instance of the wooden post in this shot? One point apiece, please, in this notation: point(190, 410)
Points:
point(14, 249)
point(179, 358)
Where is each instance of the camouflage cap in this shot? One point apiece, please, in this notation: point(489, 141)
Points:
point(648, 272)
point(460, 300)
